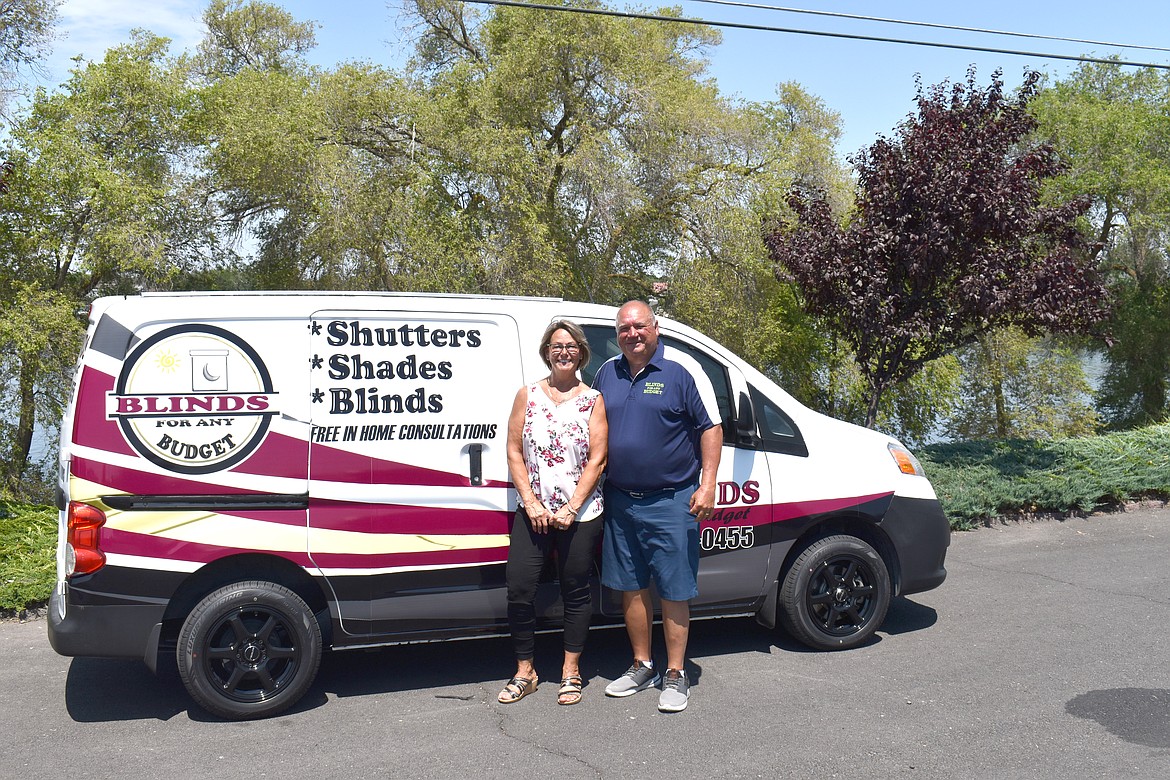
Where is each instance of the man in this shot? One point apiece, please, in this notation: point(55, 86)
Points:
point(665, 436)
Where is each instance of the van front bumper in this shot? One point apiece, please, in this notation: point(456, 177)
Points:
point(101, 630)
point(921, 534)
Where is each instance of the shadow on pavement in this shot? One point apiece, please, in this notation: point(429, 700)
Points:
point(1140, 716)
point(102, 689)
point(906, 616)
point(112, 690)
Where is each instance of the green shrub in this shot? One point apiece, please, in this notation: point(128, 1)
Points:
point(978, 482)
point(28, 542)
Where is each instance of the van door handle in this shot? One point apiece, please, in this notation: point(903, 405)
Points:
point(476, 453)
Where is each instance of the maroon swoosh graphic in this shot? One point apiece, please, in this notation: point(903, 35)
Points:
point(781, 512)
point(432, 559)
point(337, 465)
point(147, 545)
point(153, 546)
point(90, 426)
point(402, 519)
point(143, 483)
point(764, 514)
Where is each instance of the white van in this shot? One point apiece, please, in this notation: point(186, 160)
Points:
point(247, 479)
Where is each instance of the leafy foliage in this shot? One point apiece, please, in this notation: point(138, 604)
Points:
point(258, 36)
point(722, 283)
point(41, 337)
point(912, 410)
point(26, 30)
point(521, 152)
point(1113, 124)
point(949, 238)
point(1017, 387)
point(98, 201)
point(1135, 390)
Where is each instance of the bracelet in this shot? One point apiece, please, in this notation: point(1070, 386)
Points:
point(571, 509)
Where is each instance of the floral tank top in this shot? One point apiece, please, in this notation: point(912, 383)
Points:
point(556, 448)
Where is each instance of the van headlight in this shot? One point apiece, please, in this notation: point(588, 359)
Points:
point(907, 463)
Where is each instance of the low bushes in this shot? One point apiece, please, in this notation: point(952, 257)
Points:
point(978, 482)
point(28, 543)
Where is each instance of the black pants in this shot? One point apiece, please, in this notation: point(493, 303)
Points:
point(527, 552)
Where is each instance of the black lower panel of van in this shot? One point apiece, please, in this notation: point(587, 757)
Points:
point(102, 630)
point(207, 503)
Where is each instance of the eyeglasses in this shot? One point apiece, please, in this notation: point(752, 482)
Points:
point(571, 349)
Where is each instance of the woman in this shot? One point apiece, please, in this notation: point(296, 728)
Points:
point(556, 453)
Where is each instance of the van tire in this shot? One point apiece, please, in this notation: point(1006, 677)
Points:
point(835, 594)
point(249, 650)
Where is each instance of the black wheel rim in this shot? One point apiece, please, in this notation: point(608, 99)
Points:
point(842, 595)
point(251, 654)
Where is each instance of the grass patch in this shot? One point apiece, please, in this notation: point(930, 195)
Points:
point(978, 482)
point(28, 544)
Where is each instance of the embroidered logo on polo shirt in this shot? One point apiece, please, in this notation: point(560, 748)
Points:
point(653, 388)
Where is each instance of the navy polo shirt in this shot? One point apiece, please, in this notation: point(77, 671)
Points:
point(656, 420)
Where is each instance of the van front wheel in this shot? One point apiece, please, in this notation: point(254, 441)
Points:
point(249, 650)
point(836, 593)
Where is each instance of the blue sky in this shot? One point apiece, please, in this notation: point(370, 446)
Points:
point(870, 84)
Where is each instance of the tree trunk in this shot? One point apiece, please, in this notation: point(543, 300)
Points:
point(993, 361)
point(26, 420)
point(876, 390)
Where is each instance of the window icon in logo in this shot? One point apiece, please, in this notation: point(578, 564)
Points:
point(209, 370)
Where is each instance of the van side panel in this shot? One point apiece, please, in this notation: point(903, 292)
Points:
point(409, 487)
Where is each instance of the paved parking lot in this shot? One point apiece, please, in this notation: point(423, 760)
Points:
point(1044, 655)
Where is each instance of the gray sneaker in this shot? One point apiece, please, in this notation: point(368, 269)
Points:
point(675, 690)
point(638, 677)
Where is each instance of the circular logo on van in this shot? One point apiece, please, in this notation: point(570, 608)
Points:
point(193, 399)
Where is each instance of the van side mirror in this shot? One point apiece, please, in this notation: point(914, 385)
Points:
point(745, 422)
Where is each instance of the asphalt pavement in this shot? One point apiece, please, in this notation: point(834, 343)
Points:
point(1044, 655)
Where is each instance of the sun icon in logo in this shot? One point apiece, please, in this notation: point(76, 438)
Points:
point(167, 361)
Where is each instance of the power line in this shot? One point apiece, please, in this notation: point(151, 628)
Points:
point(930, 24)
point(820, 33)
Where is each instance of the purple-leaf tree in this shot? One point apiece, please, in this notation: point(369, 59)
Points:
point(949, 238)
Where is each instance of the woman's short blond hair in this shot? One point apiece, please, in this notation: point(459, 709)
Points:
point(574, 330)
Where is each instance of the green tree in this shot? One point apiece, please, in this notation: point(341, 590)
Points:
point(1113, 125)
point(912, 410)
point(949, 239)
point(26, 33)
point(570, 148)
point(1019, 387)
point(40, 337)
point(97, 203)
point(252, 36)
point(721, 281)
point(1135, 388)
point(521, 152)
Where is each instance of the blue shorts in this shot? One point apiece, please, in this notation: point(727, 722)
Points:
point(653, 536)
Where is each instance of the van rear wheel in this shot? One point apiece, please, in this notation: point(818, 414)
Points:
point(836, 593)
point(249, 650)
